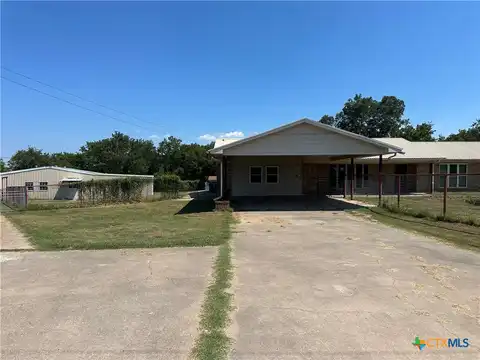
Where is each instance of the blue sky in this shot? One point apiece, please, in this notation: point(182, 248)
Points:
point(210, 68)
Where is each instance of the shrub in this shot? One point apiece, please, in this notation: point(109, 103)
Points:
point(173, 183)
point(111, 190)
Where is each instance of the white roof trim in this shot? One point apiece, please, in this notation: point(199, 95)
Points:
point(219, 150)
point(77, 171)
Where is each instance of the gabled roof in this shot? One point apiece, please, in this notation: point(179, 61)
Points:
point(229, 143)
point(77, 171)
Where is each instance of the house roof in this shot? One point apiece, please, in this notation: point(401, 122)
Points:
point(77, 171)
point(225, 141)
point(229, 143)
point(435, 150)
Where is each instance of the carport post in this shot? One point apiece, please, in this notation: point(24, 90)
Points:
point(445, 186)
point(224, 177)
point(352, 176)
point(380, 185)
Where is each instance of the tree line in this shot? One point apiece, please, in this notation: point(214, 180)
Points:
point(385, 118)
point(123, 154)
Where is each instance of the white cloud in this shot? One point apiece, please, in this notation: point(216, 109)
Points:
point(230, 134)
point(207, 137)
point(233, 134)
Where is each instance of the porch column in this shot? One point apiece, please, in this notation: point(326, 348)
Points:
point(224, 177)
point(352, 176)
point(380, 184)
point(220, 178)
point(432, 172)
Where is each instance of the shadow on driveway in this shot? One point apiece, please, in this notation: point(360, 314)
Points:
point(294, 203)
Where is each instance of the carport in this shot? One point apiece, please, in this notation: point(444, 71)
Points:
point(294, 160)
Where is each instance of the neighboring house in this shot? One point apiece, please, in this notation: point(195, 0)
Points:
point(56, 183)
point(308, 157)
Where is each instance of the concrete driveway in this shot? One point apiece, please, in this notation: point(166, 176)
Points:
point(330, 285)
point(109, 304)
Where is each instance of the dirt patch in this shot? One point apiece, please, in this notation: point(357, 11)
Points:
point(11, 238)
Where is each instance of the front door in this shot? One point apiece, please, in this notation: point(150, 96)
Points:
point(310, 178)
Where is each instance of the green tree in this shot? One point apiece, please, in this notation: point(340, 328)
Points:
point(67, 159)
point(376, 119)
point(3, 167)
point(328, 120)
point(170, 155)
point(470, 134)
point(421, 132)
point(369, 117)
point(29, 158)
point(119, 154)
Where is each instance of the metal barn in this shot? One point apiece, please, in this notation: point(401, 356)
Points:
point(56, 183)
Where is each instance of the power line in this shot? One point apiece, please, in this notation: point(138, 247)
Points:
point(77, 96)
point(71, 103)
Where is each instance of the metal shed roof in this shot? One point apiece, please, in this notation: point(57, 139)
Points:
point(77, 171)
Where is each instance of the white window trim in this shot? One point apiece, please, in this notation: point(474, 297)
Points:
point(30, 186)
point(40, 185)
point(250, 174)
point(266, 174)
point(452, 175)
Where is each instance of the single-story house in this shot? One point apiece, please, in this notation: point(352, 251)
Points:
point(307, 157)
point(58, 183)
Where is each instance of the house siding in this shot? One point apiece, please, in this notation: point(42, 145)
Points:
point(424, 182)
point(289, 182)
point(293, 177)
point(307, 140)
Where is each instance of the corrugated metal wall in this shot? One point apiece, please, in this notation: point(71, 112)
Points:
point(53, 177)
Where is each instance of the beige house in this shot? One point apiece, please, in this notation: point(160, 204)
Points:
point(56, 183)
point(307, 157)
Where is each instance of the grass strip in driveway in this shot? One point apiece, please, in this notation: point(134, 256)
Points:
point(167, 223)
point(455, 233)
point(213, 342)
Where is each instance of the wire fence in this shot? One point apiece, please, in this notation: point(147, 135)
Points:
point(14, 196)
point(447, 197)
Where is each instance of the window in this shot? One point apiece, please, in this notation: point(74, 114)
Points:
point(43, 186)
point(255, 174)
point(272, 174)
point(337, 175)
point(361, 176)
point(457, 177)
point(29, 185)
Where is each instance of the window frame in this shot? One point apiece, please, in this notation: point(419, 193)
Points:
point(457, 175)
point(277, 174)
point(363, 177)
point(250, 174)
point(29, 187)
point(43, 185)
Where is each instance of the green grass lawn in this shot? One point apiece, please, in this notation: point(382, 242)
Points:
point(457, 207)
point(465, 236)
point(149, 224)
